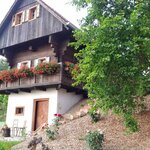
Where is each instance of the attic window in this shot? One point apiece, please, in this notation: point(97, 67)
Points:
point(18, 18)
point(32, 13)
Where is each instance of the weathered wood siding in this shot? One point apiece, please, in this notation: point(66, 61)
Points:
point(25, 54)
point(46, 24)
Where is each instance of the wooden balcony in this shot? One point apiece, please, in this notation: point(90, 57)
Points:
point(26, 84)
point(40, 82)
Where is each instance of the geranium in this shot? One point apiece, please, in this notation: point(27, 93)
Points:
point(71, 68)
point(7, 75)
point(47, 68)
point(25, 72)
point(57, 115)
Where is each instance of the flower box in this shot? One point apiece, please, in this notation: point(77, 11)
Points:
point(27, 81)
point(47, 78)
point(13, 84)
point(3, 85)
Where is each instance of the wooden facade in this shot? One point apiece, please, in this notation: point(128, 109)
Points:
point(46, 36)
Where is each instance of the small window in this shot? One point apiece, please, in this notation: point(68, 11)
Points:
point(42, 60)
point(19, 111)
point(24, 64)
point(18, 19)
point(32, 13)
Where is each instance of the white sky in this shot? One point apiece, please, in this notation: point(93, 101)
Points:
point(61, 6)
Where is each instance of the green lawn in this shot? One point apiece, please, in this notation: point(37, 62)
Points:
point(7, 145)
point(1, 124)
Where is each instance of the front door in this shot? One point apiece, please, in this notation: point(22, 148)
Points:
point(41, 113)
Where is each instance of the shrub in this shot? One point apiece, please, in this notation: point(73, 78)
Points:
point(94, 140)
point(52, 130)
point(95, 117)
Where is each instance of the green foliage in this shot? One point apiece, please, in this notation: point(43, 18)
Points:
point(52, 130)
point(3, 98)
point(94, 140)
point(94, 116)
point(7, 145)
point(114, 58)
point(3, 64)
point(3, 106)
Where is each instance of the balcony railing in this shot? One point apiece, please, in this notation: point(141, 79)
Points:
point(35, 81)
point(39, 81)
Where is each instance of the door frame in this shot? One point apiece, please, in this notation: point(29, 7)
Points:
point(34, 110)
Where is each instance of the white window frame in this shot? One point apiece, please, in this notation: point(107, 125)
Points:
point(14, 19)
point(28, 64)
point(37, 14)
point(36, 61)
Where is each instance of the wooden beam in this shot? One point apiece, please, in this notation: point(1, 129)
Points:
point(41, 88)
point(24, 90)
point(70, 90)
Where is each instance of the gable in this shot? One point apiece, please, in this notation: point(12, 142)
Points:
point(44, 25)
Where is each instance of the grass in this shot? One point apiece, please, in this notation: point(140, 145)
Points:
point(4, 145)
point(1, 124)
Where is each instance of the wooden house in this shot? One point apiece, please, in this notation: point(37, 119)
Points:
point(32, 33)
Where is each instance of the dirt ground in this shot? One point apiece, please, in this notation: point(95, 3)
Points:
point(116, 137)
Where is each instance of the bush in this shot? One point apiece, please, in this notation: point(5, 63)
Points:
point(94, 140)
point(52, 130)
point(95, 117)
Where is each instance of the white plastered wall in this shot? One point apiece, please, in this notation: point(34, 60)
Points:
point(67, 100)
point(60, 101)
point(26, 100)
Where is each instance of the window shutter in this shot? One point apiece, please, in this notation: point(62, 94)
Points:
point(36, 62)
point(13, 20)
point(18, 65)
point(23, 17)
point(27, 15)
point(47, 59)
point(29, 64)
point(38, 11)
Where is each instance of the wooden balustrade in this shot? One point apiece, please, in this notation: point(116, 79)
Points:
point(31, 81)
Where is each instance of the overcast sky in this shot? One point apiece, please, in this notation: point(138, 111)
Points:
point(61, 6)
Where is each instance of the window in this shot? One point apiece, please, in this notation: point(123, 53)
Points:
point(19, 111)
point(32, 13)
point(18, 18)
point(41, 60)
point(26, 15)
point(24, 64)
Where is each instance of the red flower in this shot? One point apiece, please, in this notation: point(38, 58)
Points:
point(59, 115)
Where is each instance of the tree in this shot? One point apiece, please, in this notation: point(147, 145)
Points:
point(3, 64)
point(3, 98)
point(114, 50)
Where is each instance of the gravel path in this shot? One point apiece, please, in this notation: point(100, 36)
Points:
point(115, 136)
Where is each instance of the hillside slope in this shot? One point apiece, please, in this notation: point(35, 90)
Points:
point(115, 136)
